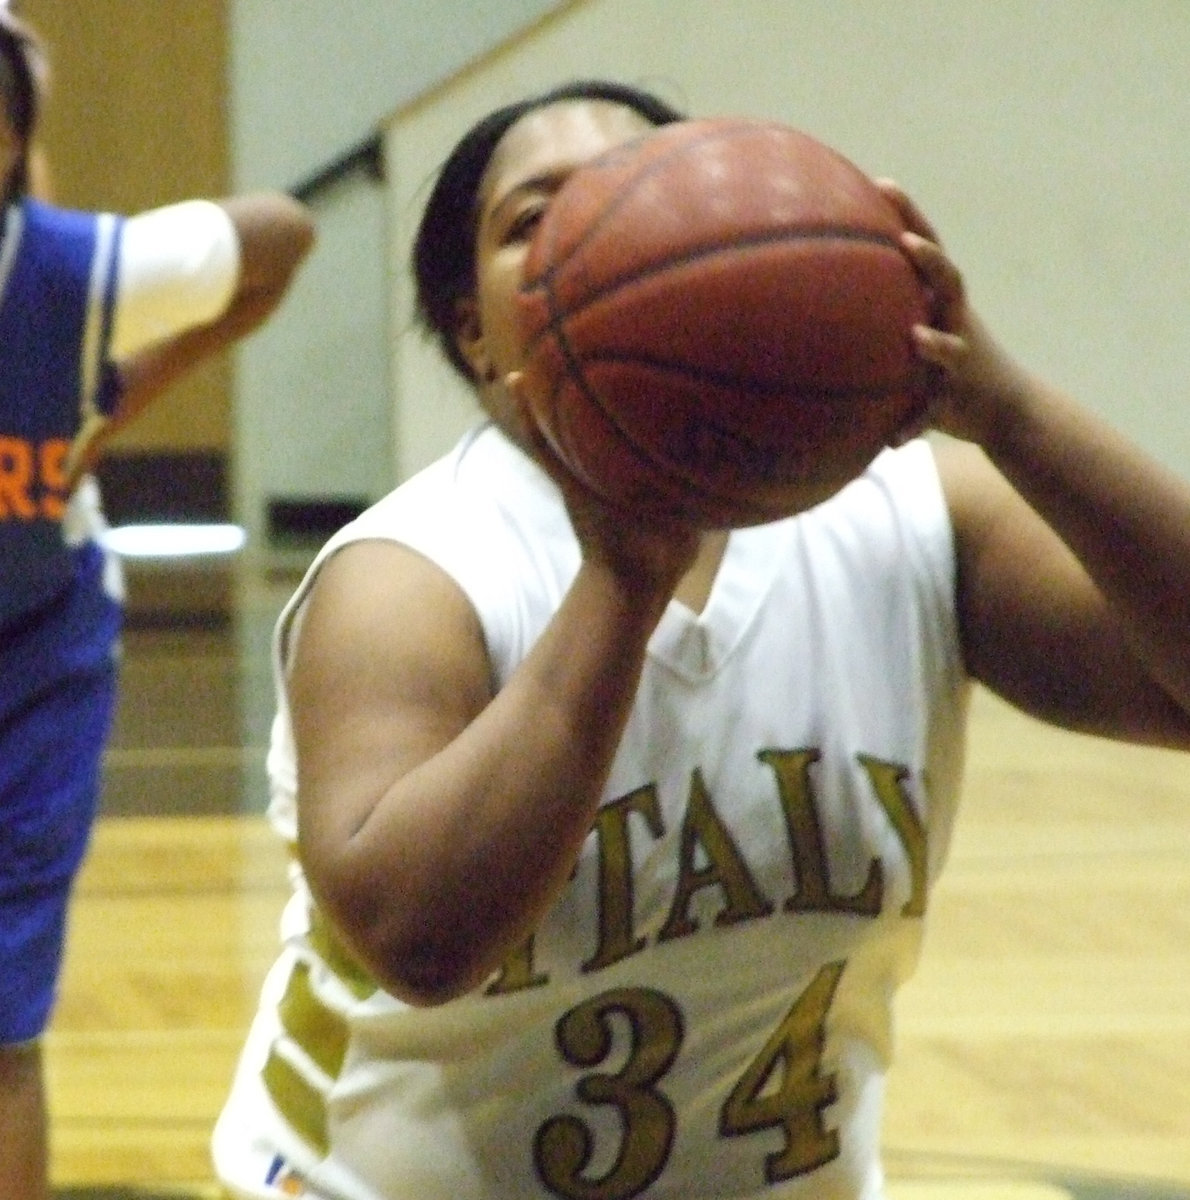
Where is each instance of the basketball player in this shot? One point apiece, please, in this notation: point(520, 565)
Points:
point(615, 843)
point(97, 316)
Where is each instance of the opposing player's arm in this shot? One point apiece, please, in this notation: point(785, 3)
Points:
point(186, 312)
point(439, 821)
point(193, 278)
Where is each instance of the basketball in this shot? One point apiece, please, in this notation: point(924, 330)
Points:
point(717, 323)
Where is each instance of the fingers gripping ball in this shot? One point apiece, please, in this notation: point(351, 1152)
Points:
point(717, 320)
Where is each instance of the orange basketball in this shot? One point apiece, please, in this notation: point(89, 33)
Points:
point(717, 319)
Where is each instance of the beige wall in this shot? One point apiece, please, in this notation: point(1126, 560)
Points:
point(136, 118)
point(1047, 139)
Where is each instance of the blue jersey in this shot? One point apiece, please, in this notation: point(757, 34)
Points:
point(58, 619)
point(57, 295)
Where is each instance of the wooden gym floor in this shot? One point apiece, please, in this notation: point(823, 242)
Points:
point(1043, 1047)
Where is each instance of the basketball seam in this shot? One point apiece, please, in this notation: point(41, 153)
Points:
point(555, 326)
point(747, 384)
point(546, 282)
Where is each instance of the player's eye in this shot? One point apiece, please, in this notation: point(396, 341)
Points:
point(523, 223)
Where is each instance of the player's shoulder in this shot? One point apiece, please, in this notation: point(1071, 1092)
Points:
point(445, 514)
point(974, 490)
point(42, 224)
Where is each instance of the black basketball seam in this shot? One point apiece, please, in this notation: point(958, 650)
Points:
point(576, 371)
point(751, 386)
point(698, 254)
point(555, 325)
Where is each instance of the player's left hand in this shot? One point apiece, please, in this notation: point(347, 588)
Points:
point(969, 380)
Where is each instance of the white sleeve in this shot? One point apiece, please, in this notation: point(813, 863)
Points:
point(177, 268)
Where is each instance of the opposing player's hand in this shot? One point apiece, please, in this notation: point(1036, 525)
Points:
point(970, 382)
point(646, 555)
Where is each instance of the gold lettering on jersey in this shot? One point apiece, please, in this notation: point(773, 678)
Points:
point(807, 845)
point(517, 973)
point(784, 1086)
point(564, 1145)
point(708, 857)
point(615, 890)
point(32, 478)
point(725, 869)
point(888, 782)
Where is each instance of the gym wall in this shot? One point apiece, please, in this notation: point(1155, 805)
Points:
point(1046, 141)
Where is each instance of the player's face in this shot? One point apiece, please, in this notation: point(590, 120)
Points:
point(533, 159)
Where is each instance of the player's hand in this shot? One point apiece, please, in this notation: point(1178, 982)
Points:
point(969, 382)
point(648, 556)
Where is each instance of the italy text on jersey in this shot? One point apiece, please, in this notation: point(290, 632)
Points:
point(785, 1087)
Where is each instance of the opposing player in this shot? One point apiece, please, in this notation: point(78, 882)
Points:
point(97, 316)
point(614, 843)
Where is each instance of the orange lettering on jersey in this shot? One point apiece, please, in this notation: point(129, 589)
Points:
point(16, 479)
point(811, 870)
point(51, 460)
point(726, 869)
point(33, 478)
point(616, 916)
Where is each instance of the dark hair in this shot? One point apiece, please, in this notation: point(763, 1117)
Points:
point(22, 70)
point(444, 250)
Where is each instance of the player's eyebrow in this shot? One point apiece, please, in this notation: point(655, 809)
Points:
point(543, 183)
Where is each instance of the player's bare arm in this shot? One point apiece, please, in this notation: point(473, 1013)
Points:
point(418, 783)
point(1073, 545)
point(274, 234)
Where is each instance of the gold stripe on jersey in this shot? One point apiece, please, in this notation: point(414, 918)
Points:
point(327, 946)
point(318, 1030)
point(301, 1105)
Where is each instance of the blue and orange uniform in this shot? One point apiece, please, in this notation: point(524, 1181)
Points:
point(59, 588)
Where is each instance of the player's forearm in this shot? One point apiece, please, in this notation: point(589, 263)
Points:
point(1125, 516)
point(479, 841)
point(146, 375)
point(149, 373)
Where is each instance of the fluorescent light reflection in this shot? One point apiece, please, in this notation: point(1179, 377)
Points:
point(174, 540)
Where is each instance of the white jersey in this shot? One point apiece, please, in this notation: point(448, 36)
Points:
point(706, 1011)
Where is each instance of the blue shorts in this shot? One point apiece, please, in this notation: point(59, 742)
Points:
point(57, 699)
